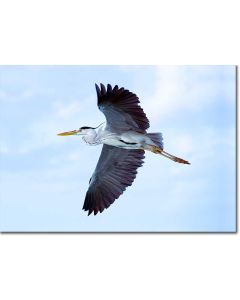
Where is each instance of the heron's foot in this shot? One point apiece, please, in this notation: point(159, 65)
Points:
point(180, 160)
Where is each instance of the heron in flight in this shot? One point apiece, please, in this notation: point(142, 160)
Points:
point(124, 138)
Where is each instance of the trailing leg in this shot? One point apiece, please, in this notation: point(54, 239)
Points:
point(158, 150)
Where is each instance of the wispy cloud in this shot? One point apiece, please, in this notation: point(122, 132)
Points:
point(60, 116)
point(64, 110)
point(179, 89)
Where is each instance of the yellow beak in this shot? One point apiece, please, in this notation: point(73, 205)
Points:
point(68, 133)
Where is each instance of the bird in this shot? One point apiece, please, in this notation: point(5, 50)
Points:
point(125, 139)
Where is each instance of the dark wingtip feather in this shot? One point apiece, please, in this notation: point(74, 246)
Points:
point(109, 88)
point(115, 88)
point(103, 89)
point(98, 90)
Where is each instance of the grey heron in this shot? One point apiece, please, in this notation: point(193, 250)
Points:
point(124, 138)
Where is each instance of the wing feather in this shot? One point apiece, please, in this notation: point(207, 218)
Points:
point(115, 171)
point(121, 109)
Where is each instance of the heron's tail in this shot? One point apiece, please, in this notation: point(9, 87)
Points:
point(158, 150)
point(156, 138)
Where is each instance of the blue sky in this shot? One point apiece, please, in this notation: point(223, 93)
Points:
point(44, 177)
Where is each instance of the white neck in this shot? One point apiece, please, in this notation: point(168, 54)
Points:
point(90, 136)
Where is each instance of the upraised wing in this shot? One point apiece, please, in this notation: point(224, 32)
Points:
point(121, 109)
point(116, 169)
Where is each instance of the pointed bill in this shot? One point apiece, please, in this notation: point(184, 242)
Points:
point(73, 132)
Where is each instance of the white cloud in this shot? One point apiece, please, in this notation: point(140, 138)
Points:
point(69, 110)
point(180, 88)
point(23, 95)
point(60, 117)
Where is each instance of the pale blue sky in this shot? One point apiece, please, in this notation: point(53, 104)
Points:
point(44, 177)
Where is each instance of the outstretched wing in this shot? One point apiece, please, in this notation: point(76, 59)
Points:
point(116, 169)
point(121, 109)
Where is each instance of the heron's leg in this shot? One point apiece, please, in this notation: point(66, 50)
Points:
point(175, 158)
point(158, 150)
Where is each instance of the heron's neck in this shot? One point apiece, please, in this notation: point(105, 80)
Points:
point(90, 136)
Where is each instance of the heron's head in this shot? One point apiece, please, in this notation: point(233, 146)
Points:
point(85, 130)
